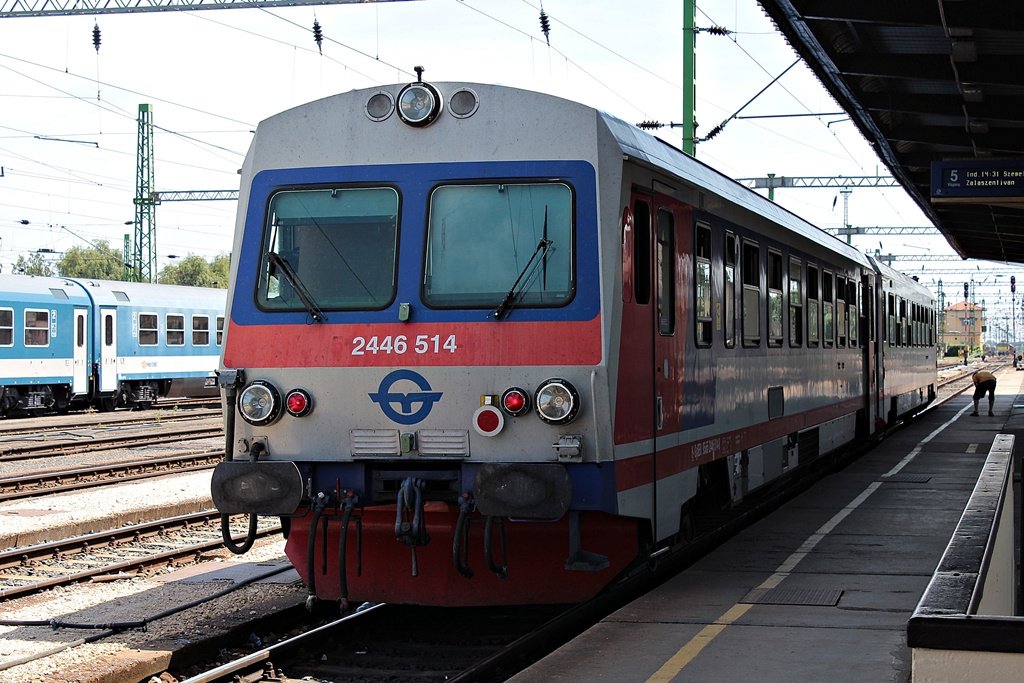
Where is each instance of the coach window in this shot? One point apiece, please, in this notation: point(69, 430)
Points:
point(6, 327)
point(200, 330)
point(853, 312)
point(37, 328)
point(147, 329)
point(108, 329)
point(890, 315)
point(902, 322)
point(175, 330)
point(80, 331)
point(828, 305)
point(641, 253)
point(333, 248)
point(796, 303)
point(813, 308)
point(702, 275)
point(750, 262)
point(220, 330)
point(775, 326)
point(484, 241)
point(841, 320)
point(666, 258)
point(729, 290)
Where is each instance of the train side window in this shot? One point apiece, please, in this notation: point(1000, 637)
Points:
point(841, 319)
point(702, 279)
point(813, 306)
point(828, 306)
point(80, 331)
point(175, 330)
point(890, 328)
point(750, 263)
point(6, 327)
point(220, 330)
point(37, 327)
point(729, 290)
point(775, 326)
point(796, 303)
point(108, 330)
point(666, 272)
point(642, 253)
point(853, 311)
point(147, 329)
point(904, 341)
point(200, 330)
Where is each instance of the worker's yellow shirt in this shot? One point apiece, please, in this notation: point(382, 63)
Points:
point(983, 376)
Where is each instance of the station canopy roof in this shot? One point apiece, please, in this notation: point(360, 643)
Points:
point(938, 89)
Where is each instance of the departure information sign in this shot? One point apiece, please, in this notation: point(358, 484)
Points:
point(967, 179)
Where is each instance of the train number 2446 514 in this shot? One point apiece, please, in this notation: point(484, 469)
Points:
point(424, 343)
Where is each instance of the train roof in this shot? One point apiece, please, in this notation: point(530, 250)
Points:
point(39, 288)
point(112, 292)
point(647, 148)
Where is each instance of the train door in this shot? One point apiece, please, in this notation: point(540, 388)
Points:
point(872, 357)
point(108, 349)
point(80, 372)
point(671, 240)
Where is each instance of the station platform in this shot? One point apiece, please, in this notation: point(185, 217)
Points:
point(821, 589)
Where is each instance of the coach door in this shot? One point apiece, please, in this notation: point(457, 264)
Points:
point(672, 238)
point(872, 357)
point(80, 374)
point(108, 349)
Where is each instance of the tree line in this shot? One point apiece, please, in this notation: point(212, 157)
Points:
point(101, 262)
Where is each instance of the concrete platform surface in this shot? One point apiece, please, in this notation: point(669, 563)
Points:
point(822, 589)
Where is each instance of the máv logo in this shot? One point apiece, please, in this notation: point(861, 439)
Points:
point(386, 398)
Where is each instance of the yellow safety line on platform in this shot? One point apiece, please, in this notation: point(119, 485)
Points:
point(691, 649)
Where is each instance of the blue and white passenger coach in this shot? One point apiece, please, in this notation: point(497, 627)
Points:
point(491, 346)
point(72, 341)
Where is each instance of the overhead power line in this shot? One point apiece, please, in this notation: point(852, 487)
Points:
point(40, 8)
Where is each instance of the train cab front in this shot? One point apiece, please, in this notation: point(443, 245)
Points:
point(411, 515)
point(416, 345)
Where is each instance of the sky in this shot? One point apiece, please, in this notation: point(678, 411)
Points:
point(69, 131)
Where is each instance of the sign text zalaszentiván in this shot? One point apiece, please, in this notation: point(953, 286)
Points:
point(956, 179)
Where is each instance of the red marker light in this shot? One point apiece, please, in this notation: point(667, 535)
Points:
point(298, 403)
point(515, 401)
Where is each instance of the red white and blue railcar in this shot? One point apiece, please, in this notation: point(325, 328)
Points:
point(488, 345)
point(68, 342)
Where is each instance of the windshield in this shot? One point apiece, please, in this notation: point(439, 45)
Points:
point(335, 248)
point(481, 238)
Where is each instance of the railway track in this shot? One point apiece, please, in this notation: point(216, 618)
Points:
point(57, 424)
point(169, 541)
point(89, 443)
point(44, 483)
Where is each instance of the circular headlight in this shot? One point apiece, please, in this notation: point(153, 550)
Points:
point(419, 104)
point(557, 401)
point(259, 403)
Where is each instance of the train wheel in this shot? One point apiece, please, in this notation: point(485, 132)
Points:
point(107, 404)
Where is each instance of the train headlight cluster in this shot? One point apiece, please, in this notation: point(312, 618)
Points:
point(259, 403)
point(557, 401)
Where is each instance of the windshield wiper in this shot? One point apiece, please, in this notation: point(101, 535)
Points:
point(505, 307)
point(277, 262)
